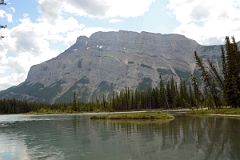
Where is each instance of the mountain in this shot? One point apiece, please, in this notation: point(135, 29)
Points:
point(110, 61)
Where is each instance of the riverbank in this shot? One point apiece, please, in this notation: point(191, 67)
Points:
point(80, 113)
point(135, 116)
point(68, 110)
point(225, 111)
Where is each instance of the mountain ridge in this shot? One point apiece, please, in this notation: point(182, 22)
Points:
point(110, 61)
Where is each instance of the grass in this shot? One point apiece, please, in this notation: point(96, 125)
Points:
point(69, 109)
point(227, 111)
point(49, 111)
point(135, 116)
point(141, 122)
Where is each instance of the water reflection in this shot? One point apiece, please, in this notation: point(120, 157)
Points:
point(183, 138)
point(12, 149)
point(78, 137)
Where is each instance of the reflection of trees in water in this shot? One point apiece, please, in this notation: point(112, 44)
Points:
point(202, 138)
point(210, 138)
point(234, 138)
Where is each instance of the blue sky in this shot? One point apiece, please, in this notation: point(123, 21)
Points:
point(157, 19)
point(41, 29)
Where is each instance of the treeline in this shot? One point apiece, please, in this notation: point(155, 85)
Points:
point(169, 96)
point(97, 106)
point(166, 96)
point(221, 87)
point(13, 106)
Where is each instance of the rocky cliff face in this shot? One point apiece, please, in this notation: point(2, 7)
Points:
point(110, 61)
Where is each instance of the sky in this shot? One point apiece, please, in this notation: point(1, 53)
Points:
point(39, 30)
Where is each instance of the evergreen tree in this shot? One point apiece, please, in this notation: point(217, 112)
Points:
point(74, 102)
point(196, 91)
point(132, 101)
point(208, 81)
point(192, 101)
point(232, 73)
point(169, 95)
point(162, 95)
point(113, 100)
point(227, 87)
point(216, 74)
point(104, 103)
point(173, 92)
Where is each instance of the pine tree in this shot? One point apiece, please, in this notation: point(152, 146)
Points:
point(196, 91)
point(208, 81)
point(169, 95)
point(113, 100)
point(74, 103)
point(227, 87)
point(132, 101)
point(155, 94)
point(104, 101)
point(162, 95)
point(231, 72)
point(216, 74)
point(192, 101)
point(173, 92)
point(183, 94)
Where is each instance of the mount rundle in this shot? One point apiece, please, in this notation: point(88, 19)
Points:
point(111, 61)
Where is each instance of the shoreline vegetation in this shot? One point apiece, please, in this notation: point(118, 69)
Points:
point(147, 115)
point(228, 112)
point(135, 116)
point(18, 107)
point(220, 111)
point(69, 110)
point(31, 108)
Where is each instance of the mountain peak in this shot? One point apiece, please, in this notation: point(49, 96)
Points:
point(107, 62)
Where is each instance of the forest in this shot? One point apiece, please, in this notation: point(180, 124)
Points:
point(215, 88)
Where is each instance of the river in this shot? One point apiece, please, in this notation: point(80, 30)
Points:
point(76, 137)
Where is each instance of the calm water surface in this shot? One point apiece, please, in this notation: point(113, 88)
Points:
point(76, 137)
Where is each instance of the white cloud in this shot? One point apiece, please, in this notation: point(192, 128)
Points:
point(207, 21)
point(12, 9)
point(87, 7)
point(127, 8)
point(32, 44)
point(95, 8)
point(50, 9)
point(11, 80)
point(6, 15)
point(115, 20)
